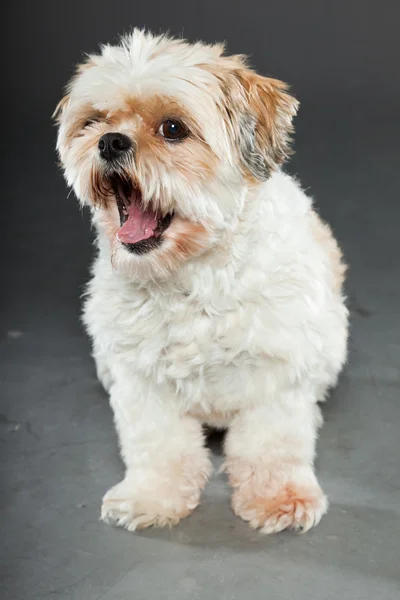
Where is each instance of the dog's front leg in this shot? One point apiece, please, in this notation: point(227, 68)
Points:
point(270, 453)
point(166, 462)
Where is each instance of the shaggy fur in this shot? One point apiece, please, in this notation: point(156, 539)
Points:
point(236, 317)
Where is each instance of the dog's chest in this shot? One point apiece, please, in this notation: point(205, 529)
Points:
point(202, 353)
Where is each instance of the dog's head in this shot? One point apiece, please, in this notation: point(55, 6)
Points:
point(163, 138)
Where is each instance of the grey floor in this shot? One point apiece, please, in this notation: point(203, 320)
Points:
point(58, 446)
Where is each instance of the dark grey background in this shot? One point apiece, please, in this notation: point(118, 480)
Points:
point(59, 450)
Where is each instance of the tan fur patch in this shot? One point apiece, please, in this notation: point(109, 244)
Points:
point(273, 497)
point(323, 235)
point(258, 112)
point(185, 240)
point(191, 158)
point(76, 126)
point(153, 110)
point(60, 108)
point(286, 503)
point(273, 109)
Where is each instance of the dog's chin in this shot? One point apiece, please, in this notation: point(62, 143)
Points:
point(141, 227)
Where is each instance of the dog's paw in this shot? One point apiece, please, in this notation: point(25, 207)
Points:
point(123, 508)
point(288, 508)
point(163, 502)
point(273, 502)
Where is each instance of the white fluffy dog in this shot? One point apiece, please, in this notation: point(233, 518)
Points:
point(216, 295)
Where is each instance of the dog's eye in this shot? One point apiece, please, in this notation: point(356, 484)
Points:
point(173, 130)
point(91, 122)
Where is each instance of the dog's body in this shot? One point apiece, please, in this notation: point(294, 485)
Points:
point(233, 315)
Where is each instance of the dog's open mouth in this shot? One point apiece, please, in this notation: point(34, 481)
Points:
point(141, 228)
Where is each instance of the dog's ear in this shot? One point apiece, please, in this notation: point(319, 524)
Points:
point(266, 125)
point(61, 106)
point(262, 111)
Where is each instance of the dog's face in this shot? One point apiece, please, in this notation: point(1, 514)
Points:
point(163, 138)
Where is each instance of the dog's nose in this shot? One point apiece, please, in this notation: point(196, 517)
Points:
point(113, 145)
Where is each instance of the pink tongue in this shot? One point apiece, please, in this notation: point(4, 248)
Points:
point(140, 225)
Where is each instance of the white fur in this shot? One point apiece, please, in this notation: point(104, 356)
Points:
point(248, 334)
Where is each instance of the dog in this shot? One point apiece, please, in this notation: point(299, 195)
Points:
point(216, 296)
